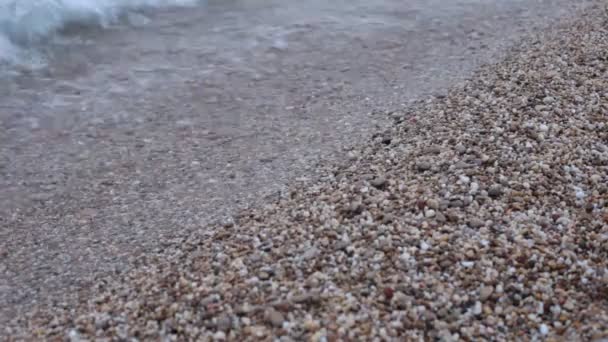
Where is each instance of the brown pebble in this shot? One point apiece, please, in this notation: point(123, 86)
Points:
point(485, 292)
point(274, 317)
point(388, 293)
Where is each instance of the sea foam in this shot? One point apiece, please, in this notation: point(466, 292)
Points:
point(25, 23)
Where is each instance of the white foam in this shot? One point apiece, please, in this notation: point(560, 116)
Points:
point(8, 51)
point(25, 22)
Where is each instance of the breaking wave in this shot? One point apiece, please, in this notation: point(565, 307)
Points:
point(24, 23)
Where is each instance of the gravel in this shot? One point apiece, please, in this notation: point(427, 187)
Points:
point(187, 131)
point(514, 160)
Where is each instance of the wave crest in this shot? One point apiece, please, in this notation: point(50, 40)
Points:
point(26, 22)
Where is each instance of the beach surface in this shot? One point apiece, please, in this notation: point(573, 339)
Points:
point(129, 138)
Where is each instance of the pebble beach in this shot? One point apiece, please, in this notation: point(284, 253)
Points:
point(478, 215)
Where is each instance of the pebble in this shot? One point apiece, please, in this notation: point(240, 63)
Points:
point(311, 253)
point(485, 293)
point(224, 322)
point(432, 204)
point(495, 190)
point(477, 309)
point(423, 166)
point(274, 317)
point(379, 182)
point(456, 204)
point(219, 336)
point(424, 246)
point(467, 264)
point(476, 223)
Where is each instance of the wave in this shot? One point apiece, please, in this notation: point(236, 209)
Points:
point(24, 23)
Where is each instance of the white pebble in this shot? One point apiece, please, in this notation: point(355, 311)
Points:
point(544, 329)
point(219, 336)
point(477, 308)
point(424, 246)
point(548, 100)
point(580, 194)
point(73, 336)
point(474, 188)
point(467, 264)
point(405, 256)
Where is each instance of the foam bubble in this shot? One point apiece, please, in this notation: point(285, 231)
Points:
point(26, 22)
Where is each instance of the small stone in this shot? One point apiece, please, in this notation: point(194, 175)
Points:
point(476, 223)
point(433, 150)
point(354, 209)
point(311, 253)
point(485, 293)
point(470, 254)
point(74, 336)
point(423, 166)
point(42, 197)
point(467, 264)
point(311, 325)
point(445, 263)
point(378, 182)
point(430, 213)
point(388, 218)
point(543, 329)
point(258, 331)
point(102, 321)
point(467, 200)
point(452, 216)
point(495, 190)
point(400, 300)
point(224, 322)
point(424, 246)
point(388, 293)
point(461, 149)
point(274, 317)
point(456, 204)
point(219, 336)
point(433, 204)
point(474, 188)
point(440, 217)
point(477, 308)
point(244, 309)
point(183, 123)
point(569, 305)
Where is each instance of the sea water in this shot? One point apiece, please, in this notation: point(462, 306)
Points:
point(26, 23)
